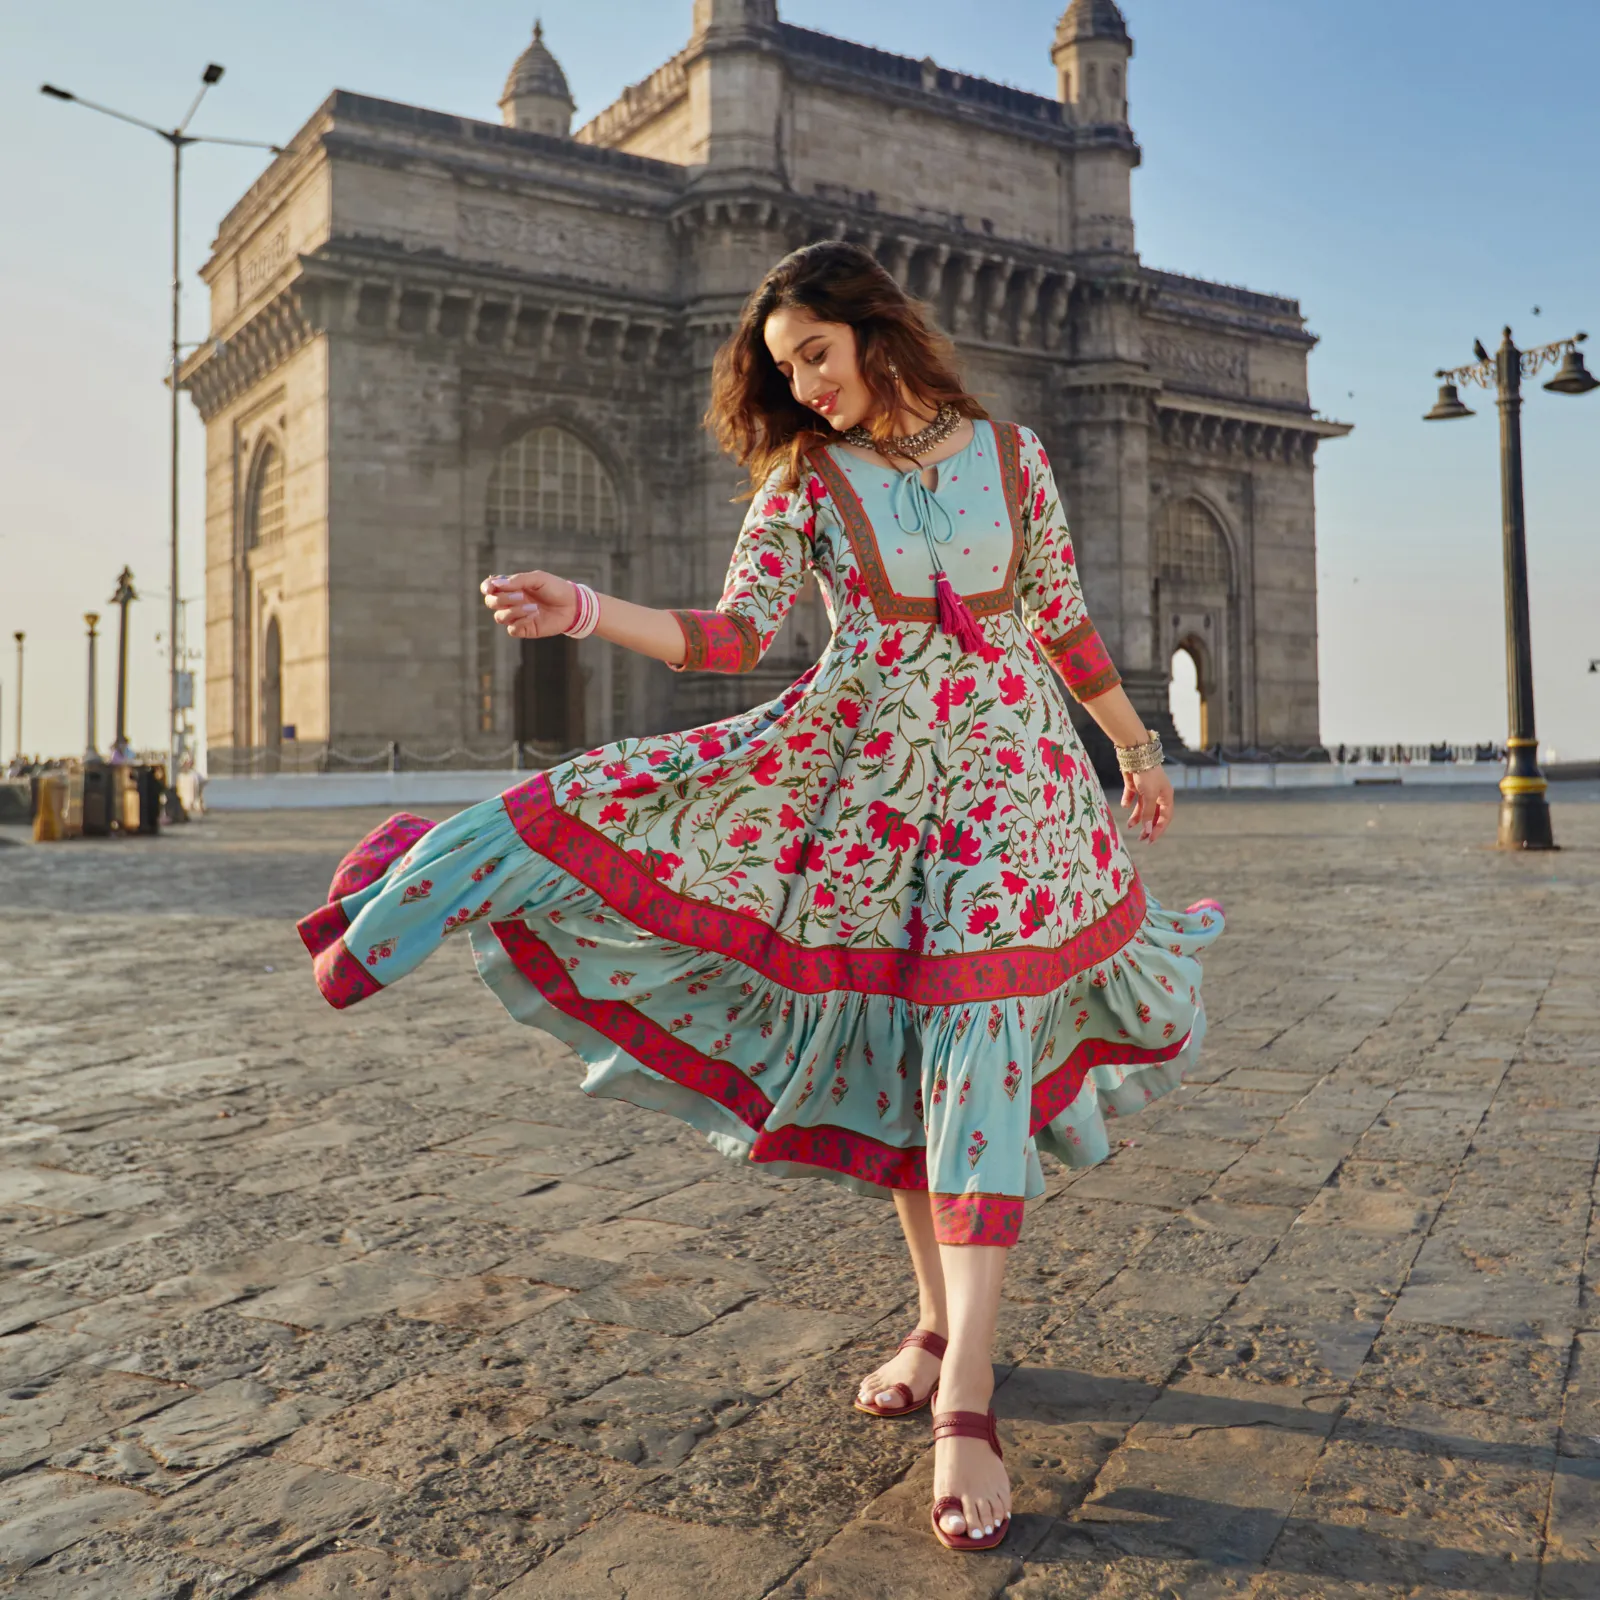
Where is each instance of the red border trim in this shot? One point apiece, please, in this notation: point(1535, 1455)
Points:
point(1054, 1092)
point(323, 927)
point(717, 641)
point(844, 1150)
point(342, 978)
point(888, 604)
point(991, 1219)
point(370, 859)
point(644, 1039)
point(922, 979)
point(1085, 665)
point(830, 1148)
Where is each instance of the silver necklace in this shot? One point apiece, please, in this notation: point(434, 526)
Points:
point(912, 445)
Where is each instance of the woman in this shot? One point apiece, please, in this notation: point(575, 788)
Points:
point(881, 929)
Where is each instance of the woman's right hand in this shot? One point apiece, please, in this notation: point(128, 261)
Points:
point(531, 605)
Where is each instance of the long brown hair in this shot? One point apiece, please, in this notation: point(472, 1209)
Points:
point(753, 414)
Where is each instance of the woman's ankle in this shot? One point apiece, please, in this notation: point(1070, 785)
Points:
point(965, 1393)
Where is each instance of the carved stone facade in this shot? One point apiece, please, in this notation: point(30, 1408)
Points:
point(445, 347)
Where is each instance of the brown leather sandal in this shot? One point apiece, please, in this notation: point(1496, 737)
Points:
point(966, 1425)
point(919, 1338)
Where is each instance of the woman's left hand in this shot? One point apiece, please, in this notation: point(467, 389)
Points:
point(1150, 796)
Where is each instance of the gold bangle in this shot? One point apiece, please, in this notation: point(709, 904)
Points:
point(1141, 757)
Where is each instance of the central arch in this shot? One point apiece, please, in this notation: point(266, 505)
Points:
point(1195, 602)
point(547, 489)
point(1184, 697)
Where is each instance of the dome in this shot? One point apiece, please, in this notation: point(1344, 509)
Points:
point(1092, 19)
point(537, 73)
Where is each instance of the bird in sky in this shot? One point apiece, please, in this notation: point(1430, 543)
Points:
point(1479, 351)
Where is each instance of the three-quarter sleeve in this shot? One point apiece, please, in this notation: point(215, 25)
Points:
point(770, 563)
point(1047, 582)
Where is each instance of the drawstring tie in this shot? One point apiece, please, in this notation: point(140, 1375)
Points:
point(955, 618)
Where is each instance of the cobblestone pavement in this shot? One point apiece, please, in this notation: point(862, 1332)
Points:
point(303, 1304)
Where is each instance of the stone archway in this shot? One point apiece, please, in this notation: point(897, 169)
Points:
point(551, 501)
point(1196, 607)
point(260, 534)
point(547, 704)
point(1186, 695)
point(272, 693)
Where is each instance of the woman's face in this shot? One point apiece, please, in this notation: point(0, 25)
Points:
point(820, 362)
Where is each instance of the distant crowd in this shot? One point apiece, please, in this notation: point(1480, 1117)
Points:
point(1418, 752)
point(122, 754)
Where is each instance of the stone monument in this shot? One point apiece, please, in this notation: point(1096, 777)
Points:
point(445, 347)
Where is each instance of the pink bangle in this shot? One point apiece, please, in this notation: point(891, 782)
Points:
point(587, 618)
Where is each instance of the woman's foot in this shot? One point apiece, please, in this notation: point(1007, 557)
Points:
point(969, 1469)
point(914, 1365)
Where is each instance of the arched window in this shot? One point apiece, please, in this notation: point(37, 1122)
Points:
point(264, 508)
point(1191, 549)
point(550, 482)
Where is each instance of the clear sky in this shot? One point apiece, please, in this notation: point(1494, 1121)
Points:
point(1417, 174)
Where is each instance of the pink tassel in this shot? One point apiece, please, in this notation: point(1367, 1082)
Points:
point(954, 617)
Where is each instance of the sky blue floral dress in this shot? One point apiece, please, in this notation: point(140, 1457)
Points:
point(880, 929)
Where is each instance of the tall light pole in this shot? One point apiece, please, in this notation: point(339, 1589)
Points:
point(1524, 810)
point(19, 636)
point(124, 597)
point(179, 138)
point(89, 751)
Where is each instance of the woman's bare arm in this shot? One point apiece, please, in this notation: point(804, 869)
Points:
point(1148, 793)
point(1114, 711)
point(535, 605)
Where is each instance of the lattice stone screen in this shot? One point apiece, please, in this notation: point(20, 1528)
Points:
point(551, 482)
point(1191, 548)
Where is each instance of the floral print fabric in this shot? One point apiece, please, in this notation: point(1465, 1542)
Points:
point(881, 928)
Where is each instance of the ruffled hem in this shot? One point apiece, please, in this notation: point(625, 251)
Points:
point(870, 1090)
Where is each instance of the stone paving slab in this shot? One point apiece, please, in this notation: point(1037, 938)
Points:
point(305, 1304)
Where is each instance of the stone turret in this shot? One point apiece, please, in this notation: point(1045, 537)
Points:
point(725, 15)
point(1091, 56)
point(735, 88)
point(536, 94)
point(1091, 53)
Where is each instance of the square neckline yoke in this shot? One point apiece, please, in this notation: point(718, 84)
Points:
point(891, 604)
point(845, 456)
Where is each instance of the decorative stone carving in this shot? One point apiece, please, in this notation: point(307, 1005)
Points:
point(1224, 366)
point(262, 264)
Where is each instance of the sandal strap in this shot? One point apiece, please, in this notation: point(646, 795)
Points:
point(968, 1425)
point(907, 1399)
point(922, 1339)
point(951, 1502)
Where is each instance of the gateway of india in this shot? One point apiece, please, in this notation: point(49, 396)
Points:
point(445, 347)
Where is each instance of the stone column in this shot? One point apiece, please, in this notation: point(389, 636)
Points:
point(1106, 410)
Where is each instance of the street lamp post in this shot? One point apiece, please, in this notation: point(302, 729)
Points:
point(1524, 809)
point(90, 751)
point(180, 139)
point(19, 636)
point(123, 598)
